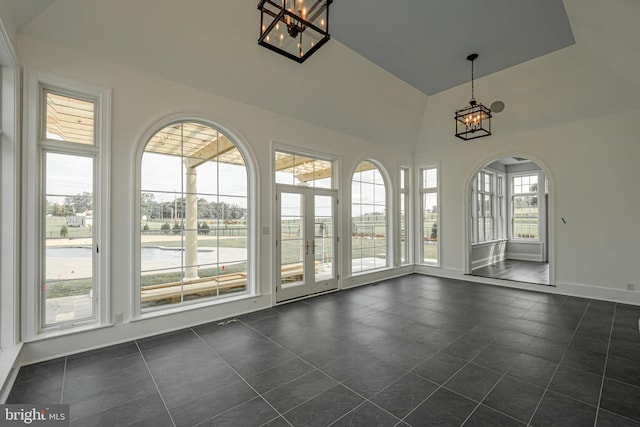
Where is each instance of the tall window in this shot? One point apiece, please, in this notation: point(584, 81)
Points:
point(66, 205)
point(430, 211)
point(368, 219)
point(68, 217)
point(488, 214)
point(500, 208)
point(404, 215)
point(193, 216)
point(485, 201)
point(524, 205)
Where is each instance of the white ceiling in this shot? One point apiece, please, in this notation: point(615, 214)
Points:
point(426, 42)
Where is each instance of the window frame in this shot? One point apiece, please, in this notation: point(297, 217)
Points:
point(388, 217)
point(405, 206)
point(10, 217)
point(496, 194)
point(252, 289)
point(512, 195)
point(35, 150)
point(423, 190)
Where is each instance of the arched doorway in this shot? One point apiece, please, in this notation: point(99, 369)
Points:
point(509, 231)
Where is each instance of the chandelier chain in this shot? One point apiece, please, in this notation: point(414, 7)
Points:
point(472, 86)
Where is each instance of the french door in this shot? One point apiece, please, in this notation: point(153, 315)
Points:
point(306, 241)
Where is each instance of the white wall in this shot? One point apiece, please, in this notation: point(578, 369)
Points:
point(138, 101)
point(215, 49)
point(591, 163)
point(569, 111)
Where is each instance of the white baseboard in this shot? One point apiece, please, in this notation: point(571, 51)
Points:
point(376, 276)
point(46, 349)
point(8, 370)
point(524, 257)
point(561, 288)
point(484, 262)
point(596, 292)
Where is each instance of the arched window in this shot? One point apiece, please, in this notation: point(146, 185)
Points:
point(193, 213)
point(369, 222)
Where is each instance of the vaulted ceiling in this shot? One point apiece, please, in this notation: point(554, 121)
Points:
point(387, 61)
point(425, 43)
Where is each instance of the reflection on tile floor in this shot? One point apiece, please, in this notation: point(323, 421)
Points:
point(414, 351)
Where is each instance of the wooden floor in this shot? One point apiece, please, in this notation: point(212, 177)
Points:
point(519, 271)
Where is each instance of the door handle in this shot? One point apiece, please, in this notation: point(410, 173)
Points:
point(313, 248)
point(306, 247)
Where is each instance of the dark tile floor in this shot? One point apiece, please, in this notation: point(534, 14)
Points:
point(516, 270)
point(412, 351)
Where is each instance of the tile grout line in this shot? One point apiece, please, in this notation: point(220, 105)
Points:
point(466, 397)
point(368, 400)
point(64, 379)
point(155, 384)
point(242, 378)
point(323, 372)
point(330, 376)
point(606, 361)
point(558, 365)
point(440, 386)
point(504, 374)
point(492, 388)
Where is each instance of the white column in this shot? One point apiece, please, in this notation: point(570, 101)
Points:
point(191, 225)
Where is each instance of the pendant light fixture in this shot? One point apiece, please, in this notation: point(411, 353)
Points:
point(473, 121)
point(293, 28)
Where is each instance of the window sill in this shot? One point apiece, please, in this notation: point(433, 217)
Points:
point(160, 312)
point(62, 331)
point(374, 270)
point(490, 242)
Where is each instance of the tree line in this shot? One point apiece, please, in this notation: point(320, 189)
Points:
point(151, 208)
point(176, 209)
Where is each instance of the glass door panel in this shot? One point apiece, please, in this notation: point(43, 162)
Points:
point(306, 242)
point(293, 245)
point(323, 238)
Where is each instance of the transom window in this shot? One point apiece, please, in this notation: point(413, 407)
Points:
point(301, 170)
point(69, 119)
point(193, 216)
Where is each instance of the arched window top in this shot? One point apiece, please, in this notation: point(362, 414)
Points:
point(369, 218)
point(197, 141)
point(194, 201)
point(369, 171)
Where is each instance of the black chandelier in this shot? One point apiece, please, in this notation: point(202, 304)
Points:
point(292, 28)
point(473, 121)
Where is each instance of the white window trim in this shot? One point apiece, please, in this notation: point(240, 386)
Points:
point(9, 218)
point(499, 222)
point(389, 194)
point(33, 184)
point(420, 209)
point(253, 209)
point(408, 217)
point(539, 193)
